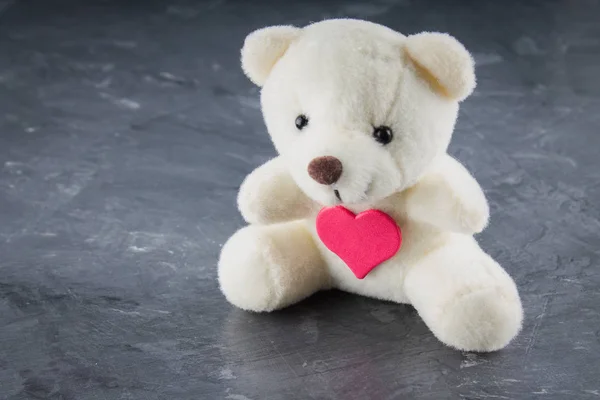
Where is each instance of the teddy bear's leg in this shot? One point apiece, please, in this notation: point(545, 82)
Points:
point(263, 268)
point(468, 301)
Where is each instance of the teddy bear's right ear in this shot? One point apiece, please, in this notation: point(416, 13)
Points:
point(263, 48)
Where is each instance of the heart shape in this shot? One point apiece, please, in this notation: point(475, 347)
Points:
point(362, 241)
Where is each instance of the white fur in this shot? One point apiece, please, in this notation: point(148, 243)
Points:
point(449, 197)
point(263, 48)
point(254, 200)
point(348, 77)
point(446, 60)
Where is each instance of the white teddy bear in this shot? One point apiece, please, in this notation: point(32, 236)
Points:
point(363, 196)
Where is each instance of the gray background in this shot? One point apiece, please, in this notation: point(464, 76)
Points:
point(126, 128)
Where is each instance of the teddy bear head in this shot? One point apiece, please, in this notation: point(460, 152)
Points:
point(357, 110)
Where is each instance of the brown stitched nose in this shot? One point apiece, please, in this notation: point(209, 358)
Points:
point(325, 170)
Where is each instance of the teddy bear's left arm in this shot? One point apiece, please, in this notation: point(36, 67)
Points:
point(450, 198)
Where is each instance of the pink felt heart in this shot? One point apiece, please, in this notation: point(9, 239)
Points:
point(362, 241)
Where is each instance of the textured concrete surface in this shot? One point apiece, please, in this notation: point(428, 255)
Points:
point(125, 130)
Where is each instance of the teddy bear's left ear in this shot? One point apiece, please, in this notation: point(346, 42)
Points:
point(444, 62)
point(263, 48)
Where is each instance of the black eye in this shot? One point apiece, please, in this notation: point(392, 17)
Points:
point(301, 121)
point(383, 134)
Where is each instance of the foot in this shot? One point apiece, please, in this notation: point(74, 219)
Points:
point(480, 320)
point(263, 268)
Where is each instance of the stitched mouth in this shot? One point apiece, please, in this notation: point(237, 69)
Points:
point(337, 194)
point(368, 189)
point(364, 196)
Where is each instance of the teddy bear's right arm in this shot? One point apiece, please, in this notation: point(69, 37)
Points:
point(269, 195)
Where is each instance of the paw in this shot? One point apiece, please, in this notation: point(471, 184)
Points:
point(250, 201)
point(476, 218)
point(269, 195)
point(472, 210)
point(481, 320)
point(246, 271)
